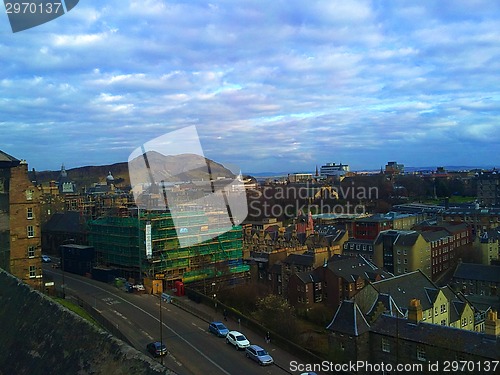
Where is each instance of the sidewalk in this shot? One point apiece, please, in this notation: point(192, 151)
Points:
point(282, 359)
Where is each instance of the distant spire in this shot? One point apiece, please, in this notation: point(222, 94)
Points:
point(317, 173)
point(63, 171)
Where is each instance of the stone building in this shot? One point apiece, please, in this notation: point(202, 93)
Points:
point(20, 240)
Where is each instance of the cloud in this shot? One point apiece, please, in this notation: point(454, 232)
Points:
point(270, 85)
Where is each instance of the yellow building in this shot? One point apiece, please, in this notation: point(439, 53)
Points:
point(20, 240)
point(402, 251)
point(399, 296)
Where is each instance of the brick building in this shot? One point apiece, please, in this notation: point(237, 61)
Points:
point(20, 241)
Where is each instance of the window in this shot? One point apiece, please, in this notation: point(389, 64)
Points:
point(32, 272)
point(421, 353)
point(443, 322)
point(31, 231)
point(405, 261)
point(443, 308)
point(386, 346)
point(29, 213)
point(29, 195)
point(31, 251)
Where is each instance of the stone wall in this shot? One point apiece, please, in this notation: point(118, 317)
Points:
point(39, 336)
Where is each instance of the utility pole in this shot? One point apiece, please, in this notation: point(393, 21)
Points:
point(161, 334)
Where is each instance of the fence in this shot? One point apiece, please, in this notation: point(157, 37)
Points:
point(100, 319)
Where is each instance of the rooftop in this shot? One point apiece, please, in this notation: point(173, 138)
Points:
point(479, 272)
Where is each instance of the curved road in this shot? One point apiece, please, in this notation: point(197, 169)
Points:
point(192, 350)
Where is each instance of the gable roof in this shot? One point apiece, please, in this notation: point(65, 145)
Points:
point(403, 288)
point(349, 320)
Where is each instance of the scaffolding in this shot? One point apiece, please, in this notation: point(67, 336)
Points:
point(120, 242)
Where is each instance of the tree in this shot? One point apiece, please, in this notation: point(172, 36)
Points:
point(275, 312)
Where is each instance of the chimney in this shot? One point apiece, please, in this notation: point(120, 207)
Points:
point(415, 311)
point(492, 324)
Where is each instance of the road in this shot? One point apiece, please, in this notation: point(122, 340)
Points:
point(192, 349)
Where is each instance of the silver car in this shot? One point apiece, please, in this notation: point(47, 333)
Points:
point(259, 355)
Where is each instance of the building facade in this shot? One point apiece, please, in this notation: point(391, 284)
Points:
point(20, 237)
point(147, 247)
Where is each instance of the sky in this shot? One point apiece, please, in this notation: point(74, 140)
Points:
point(270, 85)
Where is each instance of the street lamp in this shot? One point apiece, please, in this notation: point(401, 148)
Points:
point(62, 266)
point(161, 333)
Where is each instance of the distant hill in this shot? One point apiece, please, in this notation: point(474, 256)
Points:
point(185, 167)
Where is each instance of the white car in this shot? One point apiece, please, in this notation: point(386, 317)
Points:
point(46, 259)
point(237, 339)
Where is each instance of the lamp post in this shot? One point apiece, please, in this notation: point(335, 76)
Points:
point(62, 267)
point(161, 333)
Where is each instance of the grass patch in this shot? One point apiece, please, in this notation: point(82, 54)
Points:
point(77, 310)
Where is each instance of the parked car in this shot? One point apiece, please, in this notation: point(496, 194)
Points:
point(259, 355)
point(218, 328)
point(46, 259)
point(237, 339)
point(156, 349)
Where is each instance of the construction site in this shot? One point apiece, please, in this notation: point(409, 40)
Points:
point(145, 247)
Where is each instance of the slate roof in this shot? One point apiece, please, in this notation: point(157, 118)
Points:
point(407, 239)
point(389, 304)
point(67, 222)
point(299, 259)
point(479, 272)
point(7, 161)
point(465, 341)
point(308, 277)
point(431, 235)
point(329, 232)
point(457, 303)
point(403, 288)
point(490, 235)
point(349, 319)
point(352, 268)
point(472, 211)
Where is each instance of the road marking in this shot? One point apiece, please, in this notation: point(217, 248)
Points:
point(155, 318)
point(147, 334)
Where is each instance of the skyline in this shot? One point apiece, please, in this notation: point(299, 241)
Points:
point(270, 87)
